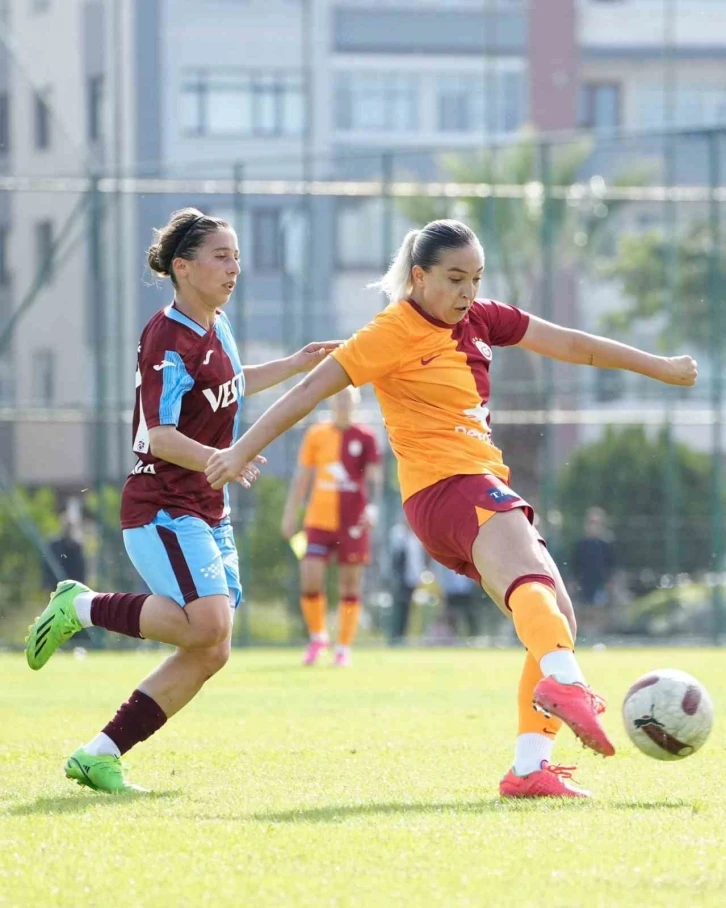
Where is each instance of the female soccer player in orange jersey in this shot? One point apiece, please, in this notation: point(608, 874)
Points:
point(428, 355)
point(338, 459)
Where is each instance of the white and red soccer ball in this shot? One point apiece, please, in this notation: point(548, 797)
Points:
point(668, 714)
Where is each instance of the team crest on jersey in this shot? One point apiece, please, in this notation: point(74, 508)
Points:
point(484, 349)
point(355, 447)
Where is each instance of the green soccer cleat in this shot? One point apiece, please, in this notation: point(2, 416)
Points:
point(58, 623)
point(101, 773)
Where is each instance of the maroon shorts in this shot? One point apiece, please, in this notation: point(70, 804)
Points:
point(447, 516)
point(349, 545)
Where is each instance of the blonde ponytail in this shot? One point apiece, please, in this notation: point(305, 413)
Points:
point(396, 282)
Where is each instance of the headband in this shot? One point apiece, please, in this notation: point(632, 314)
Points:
point(185, 235)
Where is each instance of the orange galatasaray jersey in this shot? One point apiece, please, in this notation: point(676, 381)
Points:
point(339, 458)
point(432, 384)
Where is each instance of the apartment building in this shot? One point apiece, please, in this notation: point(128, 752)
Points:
point(281, 90)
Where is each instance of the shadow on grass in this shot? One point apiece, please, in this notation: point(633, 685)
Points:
point(80, 802)
point(336, 814)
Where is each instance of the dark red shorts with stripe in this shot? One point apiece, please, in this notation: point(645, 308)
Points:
point(348, 546)
point(447, 516)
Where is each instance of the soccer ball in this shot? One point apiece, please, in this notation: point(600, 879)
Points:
point(668, 714)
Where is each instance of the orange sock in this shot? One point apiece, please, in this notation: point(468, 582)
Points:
point(313, 609)
point(539, 624)
point(348, 615)
point(531, 721)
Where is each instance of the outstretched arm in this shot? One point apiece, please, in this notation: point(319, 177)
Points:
point(584, 349)
point(326, 379)
point(258, 378)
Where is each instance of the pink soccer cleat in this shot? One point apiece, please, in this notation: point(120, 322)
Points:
point(315, 648)
point(342, 659)
point(579, 708)
point(547, 782)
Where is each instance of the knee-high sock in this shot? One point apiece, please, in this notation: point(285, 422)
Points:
point(530, 720)
point(313, 609)
point(348, 617)
point(136, 720)
point(539, 623)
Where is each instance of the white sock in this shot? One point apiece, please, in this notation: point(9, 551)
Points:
point(319, 638)
point(342, 649)
point(562, 665)
point(529, 752)
point(82, 605)
point(100, 745)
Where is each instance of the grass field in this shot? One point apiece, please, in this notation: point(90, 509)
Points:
point(373, 786)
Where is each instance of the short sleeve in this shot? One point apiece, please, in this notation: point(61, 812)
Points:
point(507, 324)
point(306, 455)
point(164, 380)
point(375, 350)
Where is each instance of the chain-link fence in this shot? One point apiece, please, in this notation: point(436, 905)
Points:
point(618, 234)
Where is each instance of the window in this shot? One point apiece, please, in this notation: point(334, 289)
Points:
point(471, 103)
point(44, 376)
point(359, 233)
point(44, 248)
point(459, 104)
point(239, 103)
point(42, 120)
point(377, 102)
point(691, 104)
point(4, 122)
point(4, 274)
point(95, 107)
point(266, 239)
point(599, 104)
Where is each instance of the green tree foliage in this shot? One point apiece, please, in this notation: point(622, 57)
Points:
point(263, 550)
point(625, 473)
point(22, 512)
point(643, 265)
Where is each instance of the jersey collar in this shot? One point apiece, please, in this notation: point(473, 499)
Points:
point(430, 318)
point(176, 315)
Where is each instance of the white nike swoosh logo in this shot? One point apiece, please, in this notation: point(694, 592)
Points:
point(162, 365)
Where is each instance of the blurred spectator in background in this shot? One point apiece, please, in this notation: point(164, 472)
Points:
point(67, 548)
point(593, 565)
point(463, 601)
point(408, 563)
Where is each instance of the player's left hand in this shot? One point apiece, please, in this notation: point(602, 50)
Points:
point(680, 370)
point(312, 354)
point(250, 473)
point(230, 465)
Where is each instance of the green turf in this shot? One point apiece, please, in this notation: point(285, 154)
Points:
point(373, 786)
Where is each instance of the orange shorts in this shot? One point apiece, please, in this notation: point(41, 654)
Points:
point(447, 516)
point(348, 546)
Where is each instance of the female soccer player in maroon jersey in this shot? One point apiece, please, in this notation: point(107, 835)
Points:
point(177, 532)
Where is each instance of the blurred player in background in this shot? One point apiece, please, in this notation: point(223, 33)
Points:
point(338, 460)
point(177, 532)
point(428, 356)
